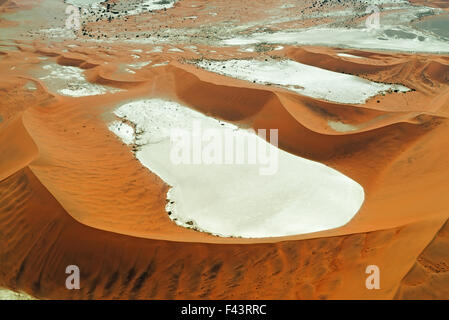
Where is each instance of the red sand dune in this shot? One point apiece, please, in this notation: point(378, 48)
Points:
point(432, 3)
point(72, 193)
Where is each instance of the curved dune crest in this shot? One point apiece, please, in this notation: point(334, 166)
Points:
point(128, 267)
point(17, 148)
point(305, 132)
point(229, 197)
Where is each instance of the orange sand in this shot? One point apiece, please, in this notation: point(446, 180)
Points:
point(432, 3)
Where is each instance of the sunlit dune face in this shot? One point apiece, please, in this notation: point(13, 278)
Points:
point(270, 193)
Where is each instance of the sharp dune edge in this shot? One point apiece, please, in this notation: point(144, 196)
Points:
point(71, 192)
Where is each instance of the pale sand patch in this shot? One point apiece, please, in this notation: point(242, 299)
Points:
point(139, 65)
point(6, 294)
point(70, 81)
point(124, 131)
point(151, 5)
point(341, 127)
point(235, 200)
point(301, 78)
point(140, 7)
point(346, 38)
point(175, 50)
point(345, 55)
point(160, 64)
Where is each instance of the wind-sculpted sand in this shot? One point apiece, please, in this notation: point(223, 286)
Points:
point(72, 192)
point(432, 3)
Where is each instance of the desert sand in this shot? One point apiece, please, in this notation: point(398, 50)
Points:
point(74, 192)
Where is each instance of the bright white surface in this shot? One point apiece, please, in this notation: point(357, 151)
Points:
point(139, 65)
point(340, 37)
point(158, 4)
point(175, 50)
point(144, 5)
point(341, 127)
point(159, 64)
point(6, 294)
point(82, 3)
point(151, 5)
point(124, 131)
point(70, 81)
point(304, 79)
point(345, 55)
point(235, 200)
